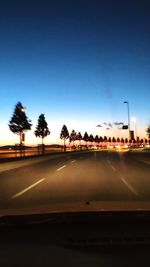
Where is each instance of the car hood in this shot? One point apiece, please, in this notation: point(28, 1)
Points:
point(76, 207)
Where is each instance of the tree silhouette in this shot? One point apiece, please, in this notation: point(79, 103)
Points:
point(42, 129)
point(91, 139)
point(122, 140)
point(105, 139)
point(101, 139)
point(64, 135)
point(73, 136)
point(79, 137)
point(109, 139)
point(113, 139)
point(118, 140)
point(96, 139)
point(141, 141)
point(86, 137)
point(19, 122)
point(148, 133)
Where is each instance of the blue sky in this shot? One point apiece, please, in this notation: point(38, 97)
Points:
point(75, 61)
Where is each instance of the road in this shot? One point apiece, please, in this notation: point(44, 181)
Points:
point(79, 176)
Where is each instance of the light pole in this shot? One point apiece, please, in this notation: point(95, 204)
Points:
point(22, 134)
point(126, 102)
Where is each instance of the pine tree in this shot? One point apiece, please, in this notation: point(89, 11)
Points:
point(42, 129)
point(19, 122)
point(86, 137)
point(79, 137)
point(64, 135)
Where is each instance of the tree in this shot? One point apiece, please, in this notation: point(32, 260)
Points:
point(114, 140)
point(122, 140)
point(109, 139)
point(79, 137)
point(105, 139)
point(19, 122)
point(118, 140)
point(96, 139)
point(148, 133)
point(91, 139)
point(141, 141)
point(101, 139)
point(64, 135)
point(73, 136)
point(146, 140)
point(86, 137)
point(42, 129)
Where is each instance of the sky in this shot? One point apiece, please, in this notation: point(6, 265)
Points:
point(76, 62)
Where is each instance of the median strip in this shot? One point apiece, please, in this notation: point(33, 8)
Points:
point(27, 189)
point(59, 169)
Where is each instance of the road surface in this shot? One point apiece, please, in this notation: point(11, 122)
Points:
point(79, 176)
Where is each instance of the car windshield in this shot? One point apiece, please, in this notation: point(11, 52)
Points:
point(75, 122)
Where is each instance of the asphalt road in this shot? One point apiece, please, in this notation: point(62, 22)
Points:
point(91, 176)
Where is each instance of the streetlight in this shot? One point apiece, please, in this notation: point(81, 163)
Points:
point(22, 134)
point(126, 102)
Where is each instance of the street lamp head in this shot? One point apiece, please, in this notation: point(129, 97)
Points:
point(133, 119)
point(125, 102)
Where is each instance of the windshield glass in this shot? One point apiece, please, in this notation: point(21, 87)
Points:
point(75, 123)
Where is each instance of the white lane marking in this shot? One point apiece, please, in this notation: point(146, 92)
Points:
point(128, 185)
point(123, 179)
point(73, 161)
point(62, 167)
point(146, 162)
point(27, 189)
point(113, 168)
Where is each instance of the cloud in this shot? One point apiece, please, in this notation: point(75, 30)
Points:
point(108, 124)
point(118, 123)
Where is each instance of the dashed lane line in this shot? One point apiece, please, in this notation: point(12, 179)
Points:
point(72, 161)
point(123, 179)
point(27, 188)
point(62, 167)
point(129, 186)
point(113, 168)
